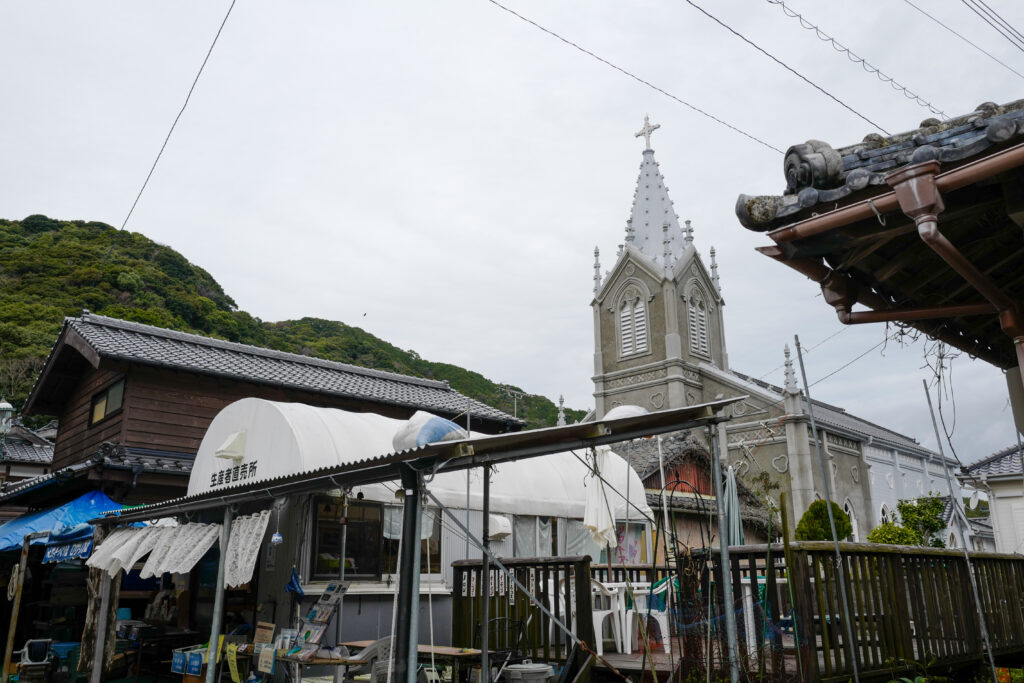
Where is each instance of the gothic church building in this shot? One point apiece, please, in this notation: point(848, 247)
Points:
point(660, 343)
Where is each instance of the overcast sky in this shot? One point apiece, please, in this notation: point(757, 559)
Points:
point(438, 173)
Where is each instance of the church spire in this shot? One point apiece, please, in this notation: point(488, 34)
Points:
point(652, 208)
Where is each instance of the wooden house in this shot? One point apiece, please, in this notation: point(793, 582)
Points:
point(134, 401)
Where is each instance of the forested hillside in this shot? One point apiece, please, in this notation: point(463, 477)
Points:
point(50, 269)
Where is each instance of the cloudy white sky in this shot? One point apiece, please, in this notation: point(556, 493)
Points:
point(439, 173)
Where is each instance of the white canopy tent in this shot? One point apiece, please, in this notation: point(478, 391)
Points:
point(255, 440)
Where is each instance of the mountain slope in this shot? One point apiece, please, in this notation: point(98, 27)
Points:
point(50, 269)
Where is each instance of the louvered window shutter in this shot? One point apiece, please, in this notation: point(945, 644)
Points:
point(702, 329)
point(692, 315)
point(626, 329)
point(639, 327)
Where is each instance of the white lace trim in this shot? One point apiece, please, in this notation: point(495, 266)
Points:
point(190, 546)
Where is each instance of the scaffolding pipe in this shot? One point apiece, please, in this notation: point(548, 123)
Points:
point(213, 649)
point(840, 565)
point(957, 503)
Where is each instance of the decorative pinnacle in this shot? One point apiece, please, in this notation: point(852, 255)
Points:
point(561, 411)
point(689, 232)
point(630, 231)
point(646, 131)
point(597, 269)
point(714, 272)
point(666, 245)
point(790, 386)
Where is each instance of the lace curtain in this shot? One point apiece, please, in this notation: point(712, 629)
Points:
point(104, 553)
point(190, 545)
point(244, 548)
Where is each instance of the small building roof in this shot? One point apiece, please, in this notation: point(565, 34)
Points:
point(98, 337)
point(1004, 463)
point(24, 446)
point(840, 223)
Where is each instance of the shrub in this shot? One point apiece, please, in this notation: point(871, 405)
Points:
point(814, 526)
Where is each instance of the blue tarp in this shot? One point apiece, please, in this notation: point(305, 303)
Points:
point(59, 519)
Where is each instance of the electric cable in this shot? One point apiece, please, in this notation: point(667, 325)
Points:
point(180, 112)
point(998, 18)
point(1016, 42)
point(635, 77)
point(856, 59)
point(961, 37)
point(782, 64)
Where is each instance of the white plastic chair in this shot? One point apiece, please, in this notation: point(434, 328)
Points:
point(640, 616)
point(605, 604)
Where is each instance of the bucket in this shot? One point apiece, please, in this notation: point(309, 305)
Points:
point(528, 673)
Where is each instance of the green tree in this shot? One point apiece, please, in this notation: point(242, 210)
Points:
point(814, 526)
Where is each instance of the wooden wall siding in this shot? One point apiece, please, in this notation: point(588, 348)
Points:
point(692, 472)
point(76, 439)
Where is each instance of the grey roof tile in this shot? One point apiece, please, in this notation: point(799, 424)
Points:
point(818, 174)
point(135, 342)
point(1004, 462)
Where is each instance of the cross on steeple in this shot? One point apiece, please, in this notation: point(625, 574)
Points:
point(646, 131)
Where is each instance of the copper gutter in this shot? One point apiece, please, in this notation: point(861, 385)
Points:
point(917, 189)
point(945, 182)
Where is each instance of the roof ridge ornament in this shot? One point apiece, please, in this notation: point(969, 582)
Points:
point(646, 131)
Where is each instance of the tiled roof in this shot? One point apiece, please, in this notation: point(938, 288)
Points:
point(834, 416)
point(981, 526)
point(15, 450)
point(817, 174)
point(138, 343)
point(111, 456)
point(1006, 462)
point(22, 445)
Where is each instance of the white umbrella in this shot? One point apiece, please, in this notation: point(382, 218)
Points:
point(597, 515)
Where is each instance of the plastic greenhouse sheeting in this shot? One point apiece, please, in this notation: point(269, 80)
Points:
point(78, 511)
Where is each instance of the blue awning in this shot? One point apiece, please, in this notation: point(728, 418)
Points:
point(66, 523)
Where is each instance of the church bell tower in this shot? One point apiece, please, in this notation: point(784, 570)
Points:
point(658, 311)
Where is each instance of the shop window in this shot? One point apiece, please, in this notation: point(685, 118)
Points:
point(107, 403)
point(535, 536)
point(430, 540)
point(371, 546)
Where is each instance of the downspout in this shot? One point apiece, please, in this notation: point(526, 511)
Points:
point(919, 197)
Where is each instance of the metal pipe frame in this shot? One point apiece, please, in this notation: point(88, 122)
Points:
point(213, 648)
point(406, 638)
point(716, 433)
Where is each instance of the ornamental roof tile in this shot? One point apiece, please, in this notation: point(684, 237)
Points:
point(817, 174)
point(138, 343)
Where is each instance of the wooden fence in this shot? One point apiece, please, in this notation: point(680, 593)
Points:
point(909, 608)
point(515, 622)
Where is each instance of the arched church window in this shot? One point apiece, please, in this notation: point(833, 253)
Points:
point(886, 515)
point(848, 509)
point(697, 311)
point(632, 322)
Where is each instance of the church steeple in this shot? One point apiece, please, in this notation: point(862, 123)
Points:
point(653, 218)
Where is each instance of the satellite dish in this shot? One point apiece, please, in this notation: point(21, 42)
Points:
point(974, 501)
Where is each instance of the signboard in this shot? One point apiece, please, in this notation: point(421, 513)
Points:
point(67, 551)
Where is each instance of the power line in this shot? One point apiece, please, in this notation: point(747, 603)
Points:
point(180, 112)
point(782, 64)
point(989, 17)
point(867, 66)
point(961, 37)
point(636, 78)
point(999, 18)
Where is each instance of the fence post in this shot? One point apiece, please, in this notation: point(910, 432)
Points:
point(800, 591)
